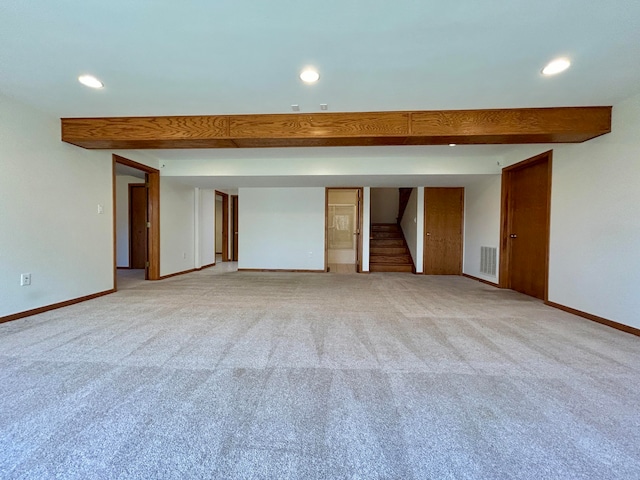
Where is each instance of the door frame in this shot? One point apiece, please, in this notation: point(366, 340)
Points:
point(152, 175)
point(146, 246)
point(359, 212)
point(225, 225)
point(506, 216)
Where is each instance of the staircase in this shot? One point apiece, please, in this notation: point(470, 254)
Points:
point(388, 249)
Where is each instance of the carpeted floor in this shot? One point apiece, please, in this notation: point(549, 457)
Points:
point(239, 375)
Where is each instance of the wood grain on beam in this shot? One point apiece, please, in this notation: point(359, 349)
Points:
point(507, 126)
point(495, 126)
point(320, 125)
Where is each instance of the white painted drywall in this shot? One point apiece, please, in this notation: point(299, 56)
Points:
point(219, 221)
point(384, 205)
point(409, 225)
point(385, 163)
point(177, 227)
point(49, 221)
point(207, 227)
point(595, 219)
point(122, 218)
point(281, 228)
point(420, 231)
point(481, 223)
point(366, 227)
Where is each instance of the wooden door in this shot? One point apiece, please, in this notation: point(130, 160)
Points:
point(443, 221)
point(137, 225)
point(234, 226)
point(525, 235)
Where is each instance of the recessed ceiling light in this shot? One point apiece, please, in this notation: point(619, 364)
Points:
point(556, 66)
point(309, 76)
point(90, 81)
point(452, 144)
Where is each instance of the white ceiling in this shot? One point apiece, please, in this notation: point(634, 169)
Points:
point(162, 57)
point(129, 171)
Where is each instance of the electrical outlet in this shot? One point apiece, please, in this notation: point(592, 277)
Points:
point(25, 279)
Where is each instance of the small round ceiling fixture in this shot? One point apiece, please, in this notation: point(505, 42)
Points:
point(556, 66)
point(309, 75)
point(90, 81)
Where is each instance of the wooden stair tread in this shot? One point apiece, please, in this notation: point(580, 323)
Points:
point(381, 235)
point(391, 242)
point(390, 268)
point(388, 249)
point(384, 226)
point(390, 260)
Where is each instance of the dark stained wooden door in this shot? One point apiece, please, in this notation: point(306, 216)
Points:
point(137, 225)
point(527, 238)
point(444, 215)
point(234, 226)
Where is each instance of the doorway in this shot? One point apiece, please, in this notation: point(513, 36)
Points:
point(148, 240)
point(222, 226)
point(343, 245)
point(443, 226)
point(525, 226)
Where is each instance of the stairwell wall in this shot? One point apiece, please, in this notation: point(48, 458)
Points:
point(409, 225)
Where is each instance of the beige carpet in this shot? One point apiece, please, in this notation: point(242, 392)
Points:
point(240, 375)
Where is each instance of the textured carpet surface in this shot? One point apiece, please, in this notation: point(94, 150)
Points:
point(240, 375)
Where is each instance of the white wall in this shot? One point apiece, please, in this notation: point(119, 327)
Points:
point(281, 228)
point(366, 227)
point(219, 220)
point(385, 163)
point(122, 218)
point(409, 226)
point(206, 224)
point(49, 221)
point(420, 232)
point(384, 205)
point(481, 223)
point(595, 228)
point(177, 227)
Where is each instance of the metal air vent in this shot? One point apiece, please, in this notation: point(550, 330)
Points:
point(488, 260)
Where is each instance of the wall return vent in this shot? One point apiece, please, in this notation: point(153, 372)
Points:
point(488, 257)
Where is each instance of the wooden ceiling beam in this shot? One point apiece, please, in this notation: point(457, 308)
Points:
point(499, 126)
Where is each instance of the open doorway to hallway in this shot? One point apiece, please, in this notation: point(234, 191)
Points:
point(343, 230)
point(136, 199)
point(222, 226)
